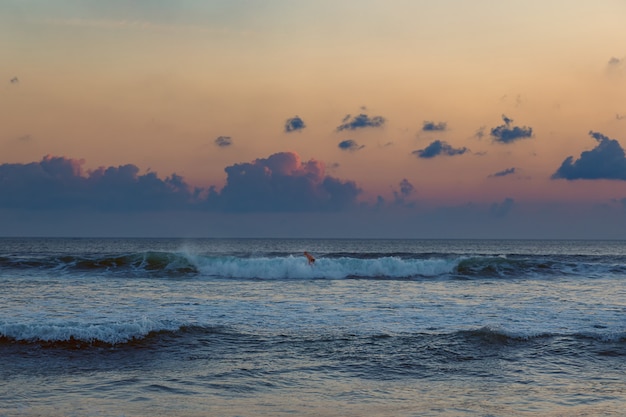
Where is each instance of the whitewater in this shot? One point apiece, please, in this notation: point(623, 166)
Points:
point(246, 327)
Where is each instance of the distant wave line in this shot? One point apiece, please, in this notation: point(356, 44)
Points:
point(78, 336)
point(157, 264)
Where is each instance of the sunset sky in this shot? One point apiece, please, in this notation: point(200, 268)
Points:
point(286, 118)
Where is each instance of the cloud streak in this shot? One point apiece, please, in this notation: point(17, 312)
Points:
point(439, 148)
point(350, 145)
point(504, 173)
point(360, 121)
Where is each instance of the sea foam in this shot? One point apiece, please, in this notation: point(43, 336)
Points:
point(331, 268)
point(109, 333)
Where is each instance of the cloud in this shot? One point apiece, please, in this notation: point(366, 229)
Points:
point(504, 173)
point(434, 127)
point(507, 134)
point(282, 183)
point(294, 124)
point(400, 197)
point(437, 148)
point(406, 188)
point(359, 122)
point(616, 66)
point(480, 132)
point(350, 145)
point(605, 161)
point(61, 183)
point(614, 62)
point(503, 208)
point(223, 141)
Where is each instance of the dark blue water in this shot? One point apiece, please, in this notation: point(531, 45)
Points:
point(140, 327)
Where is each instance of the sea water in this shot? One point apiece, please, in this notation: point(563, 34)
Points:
point(246, 327)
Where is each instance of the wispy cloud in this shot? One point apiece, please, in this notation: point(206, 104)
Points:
point(614, 62)
point(616, 67)
point(480, 132)
point(223, 141)
point(438, 148)
point(402, 196)
point(360, 121)
point(503, 208)
point(504, 173)
point(350, 145)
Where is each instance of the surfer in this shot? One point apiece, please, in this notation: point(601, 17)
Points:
point(309, 257)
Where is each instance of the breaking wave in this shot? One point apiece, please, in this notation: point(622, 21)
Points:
point(327, 266)
point(141, 332)
point(80, 334)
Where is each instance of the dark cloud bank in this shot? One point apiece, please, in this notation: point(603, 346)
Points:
point(279, 183)
point(60, 183)
point(282, 183)
point(283, 196)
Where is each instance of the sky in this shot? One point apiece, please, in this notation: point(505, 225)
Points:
point(285, 118)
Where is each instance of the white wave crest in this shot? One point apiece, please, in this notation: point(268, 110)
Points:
point(58, 331)
point(331, 268)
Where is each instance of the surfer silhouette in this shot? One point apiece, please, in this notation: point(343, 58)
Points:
point(309, 257)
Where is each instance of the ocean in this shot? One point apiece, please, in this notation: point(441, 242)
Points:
point(246, 327)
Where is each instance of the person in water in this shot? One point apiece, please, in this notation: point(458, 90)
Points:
point(309, 257)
